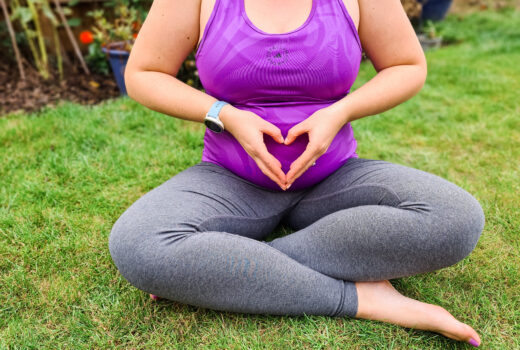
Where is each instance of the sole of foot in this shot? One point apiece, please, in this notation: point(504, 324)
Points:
point(380, 301)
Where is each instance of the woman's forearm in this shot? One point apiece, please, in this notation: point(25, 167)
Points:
point(390, 87)
point(166, 94)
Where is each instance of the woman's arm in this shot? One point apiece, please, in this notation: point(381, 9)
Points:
point(168, 35)
point(390, 43)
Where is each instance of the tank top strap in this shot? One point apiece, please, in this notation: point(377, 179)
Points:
point(340, 7)
point(230, 20)
point(224, 19)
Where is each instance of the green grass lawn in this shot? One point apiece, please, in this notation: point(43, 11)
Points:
point(66, 174)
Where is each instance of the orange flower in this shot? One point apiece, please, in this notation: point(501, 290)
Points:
point(86, 37)
point(135, 35)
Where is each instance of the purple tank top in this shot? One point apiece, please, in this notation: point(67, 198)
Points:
point(283, 78)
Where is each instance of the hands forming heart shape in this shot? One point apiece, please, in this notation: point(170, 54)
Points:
point(321, 127)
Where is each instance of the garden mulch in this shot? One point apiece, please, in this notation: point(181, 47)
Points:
point(33, 94)
point(464, 6)
point(36, 92)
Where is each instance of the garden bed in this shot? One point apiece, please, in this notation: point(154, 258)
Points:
point(464, 6)
point(90, 89)
point(37, 92)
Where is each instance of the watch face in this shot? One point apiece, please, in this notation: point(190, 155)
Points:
point(213, 126)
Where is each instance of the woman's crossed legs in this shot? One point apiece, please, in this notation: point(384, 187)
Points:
point(198, 239)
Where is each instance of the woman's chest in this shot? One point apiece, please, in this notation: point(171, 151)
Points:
point(239, 62)
point(287, 17)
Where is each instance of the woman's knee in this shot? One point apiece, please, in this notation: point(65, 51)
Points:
point(463, 219)
point(124, 247)
point(136, 246)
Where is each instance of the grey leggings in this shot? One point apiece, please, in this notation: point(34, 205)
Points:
point(198, 238)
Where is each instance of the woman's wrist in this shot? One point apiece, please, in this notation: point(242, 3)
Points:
point(227, 114)
point(341, 110)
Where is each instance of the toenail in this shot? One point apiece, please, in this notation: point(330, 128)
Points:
point(473, 342)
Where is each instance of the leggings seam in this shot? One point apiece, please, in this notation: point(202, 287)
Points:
point(339, 309)
point(350, 188)
point(273, 249)
point(225, 171)
point(238, 216)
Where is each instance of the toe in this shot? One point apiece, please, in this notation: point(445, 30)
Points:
point(472, 334)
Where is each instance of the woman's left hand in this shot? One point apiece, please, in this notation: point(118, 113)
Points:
point(321, 126)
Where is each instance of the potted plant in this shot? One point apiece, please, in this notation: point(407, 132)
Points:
point(112, 41)
point(429, 36)
point(435, 10)
point(424, 27)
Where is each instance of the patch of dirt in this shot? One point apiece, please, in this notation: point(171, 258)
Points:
point(465, 6)
point(17, 96)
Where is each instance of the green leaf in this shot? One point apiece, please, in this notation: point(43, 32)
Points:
point(50, 15)
point(23, 14)
point(66, 11)
point(74, 22)
point(93, 49)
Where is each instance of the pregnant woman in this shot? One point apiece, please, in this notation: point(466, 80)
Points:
point(279, 149)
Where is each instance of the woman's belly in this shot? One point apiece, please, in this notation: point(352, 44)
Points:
point(223, 149)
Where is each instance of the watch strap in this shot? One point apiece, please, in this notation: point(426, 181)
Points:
point(215, 109)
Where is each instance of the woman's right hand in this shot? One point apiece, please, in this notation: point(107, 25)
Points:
point(248, 129)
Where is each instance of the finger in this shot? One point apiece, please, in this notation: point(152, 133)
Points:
point(273, 131)
point(302, 163)
point(294, 132)
point(272, 164)
point(302, 171)
point(264, 168)
point(269, 159)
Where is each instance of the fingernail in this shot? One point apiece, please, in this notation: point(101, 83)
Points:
point(289, 186)
point(473, 342)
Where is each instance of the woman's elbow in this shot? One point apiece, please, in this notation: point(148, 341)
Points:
point(129, 76)
point(422, 72)
point(417, 72)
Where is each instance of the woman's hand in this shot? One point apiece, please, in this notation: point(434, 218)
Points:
point(322, 126)
point(248, 129)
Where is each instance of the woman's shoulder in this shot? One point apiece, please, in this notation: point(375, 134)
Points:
point(352, 7)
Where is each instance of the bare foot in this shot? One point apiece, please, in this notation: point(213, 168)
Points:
point(380, 301)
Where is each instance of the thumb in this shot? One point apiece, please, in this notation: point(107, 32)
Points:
point(293, 133)
point(274, 132)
